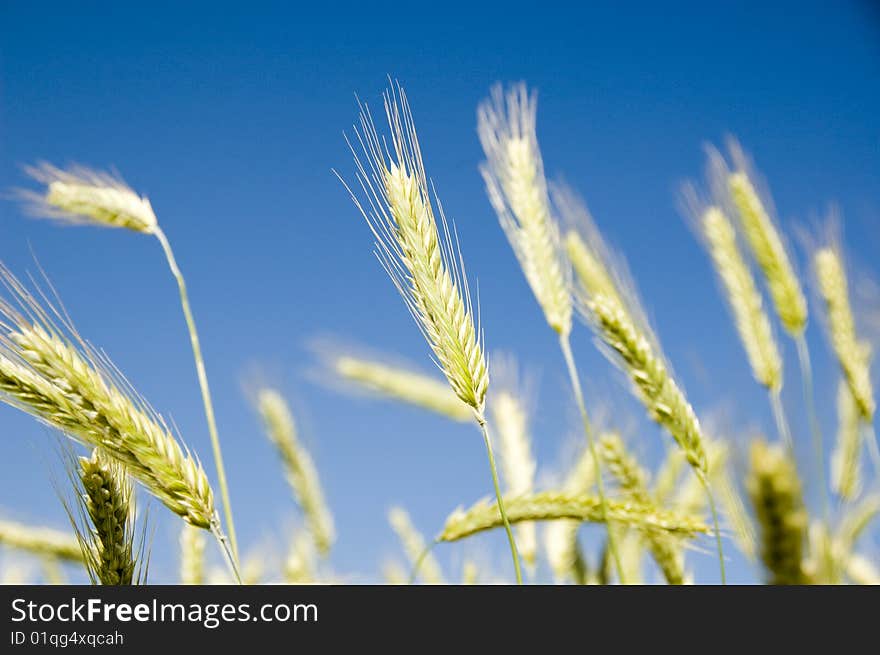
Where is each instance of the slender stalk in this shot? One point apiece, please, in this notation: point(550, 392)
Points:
point(228, 554)
point(485, 430)
point(871, 438)
point(565, 344)
point(421, 558)
point(203, 385)
point(810, 401)
point(711, 498)
point(781, 421)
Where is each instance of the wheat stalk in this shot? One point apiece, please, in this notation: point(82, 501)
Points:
point(301, 472)
point(509, 410)
point(414, 546)
point(856, 521)
point(775, 492)
point(83, 196)
point(735, 511)
point(404, 385)
point(633, 482)
point(852, 354)
point(109, 502)
point(553, 505)
point(846, 458)
point(517, 464)
point(192, 556)
point(41, 541)
point(514, 177)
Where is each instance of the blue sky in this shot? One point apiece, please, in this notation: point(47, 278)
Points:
point(231, 121)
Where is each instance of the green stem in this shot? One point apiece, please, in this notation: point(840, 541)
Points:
point(810, 402)
point(217, 531)
point(203, 385)
point(781, 421)
point(485, 430)
point(421, 558)
point(565, 344)
point(711, 497)
point(871, 438)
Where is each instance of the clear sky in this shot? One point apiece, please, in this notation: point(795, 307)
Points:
point(230, 118)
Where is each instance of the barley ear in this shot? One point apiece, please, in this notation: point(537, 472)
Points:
point(41, 541)
point(517, 189)
point(299, 467)
point(744, 299)
point(775, 491)
point(403, 385)
point(109, 502)
point(651, 380)
point(81, 195)
point(51, 373)
point(421, 259)
point(553, 505)
point(767, 246)
point(853, 355)
point(632, 480)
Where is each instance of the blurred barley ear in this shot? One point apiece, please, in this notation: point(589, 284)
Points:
point(768, 247)
point(846, 458)
point(299, 566)
point(853, 354)
point(517, 189)
point(741, 190)
point(775, 491)
point(746, 305)
point(553, 505)
point(299, 467)
point(403, 385)
point(632, 480)
point(744, 299)
point(41, 541)
point(655, 387)
point(82, 196)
